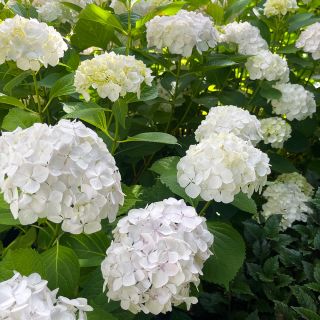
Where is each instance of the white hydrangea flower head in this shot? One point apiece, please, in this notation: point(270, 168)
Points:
point(269, 66)
point(296, 102)
point(156, 254)
point(279, 7)
point(112, 75)
point(141, 7)
point(220, 167)
point(309, 40)
point(30, 43)
point(288, 200)
point(29, 298)
point(181, 33)
point(230, 119)
point(245, 35)
point(275, 131)
point(299, 180)
point(55, 10)
point(64, 173)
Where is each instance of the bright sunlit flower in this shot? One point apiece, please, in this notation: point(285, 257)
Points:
point(221, 166)
point(295, 102)
point(269, 66)
point(246, 36)
point(309, 40)
point(181, 33)
point(226, 119)
point(112, 75)
point(279, 7)
point(64, 173)
point(30, 43)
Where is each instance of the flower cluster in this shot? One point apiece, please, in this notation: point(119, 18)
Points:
point(29, 298)
point(245, 35)
point(230, 119)
point(269, 66)
point(279, 7)
point(288, 196)
point(55, 10)
point(309, 40)
point(295, 102)
point(30, 43)
point(275, 131)
point(112, 75)
point(298, 180)
point(64, 173)
point(155, 256)
point(220, 167)
point(181, 33)
point(141, 7)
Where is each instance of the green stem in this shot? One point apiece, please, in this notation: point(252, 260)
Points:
point(116, 136)
point(310, 75)
point(205, 207)
point(35, 83)
point(255, 93)
point(175, 95)
point(129, 39)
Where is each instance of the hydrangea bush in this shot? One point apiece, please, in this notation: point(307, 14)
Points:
point(159, 157)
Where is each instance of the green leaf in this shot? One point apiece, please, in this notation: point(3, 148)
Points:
point(304, 299)
point(244, 203)
point(26, 261)
point(268, 92)
point(167, 10)
point(19, 118)
point(88, 247)
point(6, 217)
point(147, 93)
point(132, 196)
point(216, 11)
point(89, 112)
point(62, 270)
point(120, 111)
point(228, 254)
point(281, 164)
point(11, 101)
point(271, 266)
point(16, 81)
point(63, 87)
point(98, 314)
point(72, 6)
point(167, 169)
point(306, 313)
point(156, 137)
point(300, 20)
point(236, 9)
point(24, 240)
point(95, 27)
point(316, 272)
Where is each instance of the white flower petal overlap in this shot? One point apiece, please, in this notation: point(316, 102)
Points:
point(64, 173)
point(29, 298)
point(30, 43)
point(182, 33)
point(156, 254)
point(220, 167)
point(111, 75)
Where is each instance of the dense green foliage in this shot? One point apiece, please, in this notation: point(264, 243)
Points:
point(257, 271)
